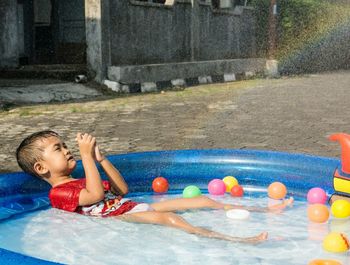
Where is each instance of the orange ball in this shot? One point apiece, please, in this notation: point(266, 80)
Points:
point(324, 262)
point(277, 190)
point(318, 213)
point(160, 185)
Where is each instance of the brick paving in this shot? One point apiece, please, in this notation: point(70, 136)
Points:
point(294, 114)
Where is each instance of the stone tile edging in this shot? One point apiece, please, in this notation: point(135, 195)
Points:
point(146, 87)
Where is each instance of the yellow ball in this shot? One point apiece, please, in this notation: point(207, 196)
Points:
point(340, 209)
point(229, 182)
point(336, 242)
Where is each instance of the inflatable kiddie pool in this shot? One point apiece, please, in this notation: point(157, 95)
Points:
point(21, 193)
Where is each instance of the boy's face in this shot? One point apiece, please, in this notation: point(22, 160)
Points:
point(56, 157)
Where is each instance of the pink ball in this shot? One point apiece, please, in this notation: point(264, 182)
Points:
point(316, 195)
point(216, 187)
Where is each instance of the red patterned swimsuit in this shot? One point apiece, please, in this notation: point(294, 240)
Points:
point(66, 197)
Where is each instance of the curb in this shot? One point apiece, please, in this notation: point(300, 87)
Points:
point(147, 87)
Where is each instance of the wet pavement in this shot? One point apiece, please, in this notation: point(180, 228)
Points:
point(294, 114)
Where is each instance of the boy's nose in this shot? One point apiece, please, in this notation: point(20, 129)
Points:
point(66, 151)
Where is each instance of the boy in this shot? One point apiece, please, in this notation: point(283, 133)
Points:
point(46, 156)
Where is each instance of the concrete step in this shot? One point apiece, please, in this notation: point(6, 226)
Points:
point(55, 71)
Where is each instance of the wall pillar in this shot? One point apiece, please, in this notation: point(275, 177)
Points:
point(195, 28)
point(8, 34)
point(97, 38)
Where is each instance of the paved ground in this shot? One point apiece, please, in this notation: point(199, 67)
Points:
point(19, 91)
point(289, 114)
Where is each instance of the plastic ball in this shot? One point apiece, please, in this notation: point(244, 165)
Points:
point(237, 191)
point(340, 209)
point(317, 195)
point(277, 190)
point(324, 262)
point(336, 242)
point(216, 187)
point(318, 213)
point(230, 182)
point(191, 192)
point(160, 185)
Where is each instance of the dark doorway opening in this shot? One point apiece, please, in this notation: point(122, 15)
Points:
point(44, 52)
point(53, 32)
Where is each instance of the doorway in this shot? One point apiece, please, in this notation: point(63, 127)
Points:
point(44, 52)
point(58, 32)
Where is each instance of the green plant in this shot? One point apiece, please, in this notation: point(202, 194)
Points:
point(299, 22)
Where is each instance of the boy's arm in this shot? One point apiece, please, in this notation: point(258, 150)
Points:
point(118, 184)
point(94, 191)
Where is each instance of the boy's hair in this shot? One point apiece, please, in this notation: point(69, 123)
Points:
point(29, 152)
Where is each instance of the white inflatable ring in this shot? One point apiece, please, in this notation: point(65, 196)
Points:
point(238, 214)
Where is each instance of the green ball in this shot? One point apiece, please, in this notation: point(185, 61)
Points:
point(191, 192)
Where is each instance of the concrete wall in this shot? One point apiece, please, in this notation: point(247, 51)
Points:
point(225, 34)
point(171, 71)
point(152, 42)
point(8, 33)
point(149, 33)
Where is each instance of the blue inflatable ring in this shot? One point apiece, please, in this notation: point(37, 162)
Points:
point(21, 193)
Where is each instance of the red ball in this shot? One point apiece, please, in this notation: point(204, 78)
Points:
point(160, 185)
point(237, 191)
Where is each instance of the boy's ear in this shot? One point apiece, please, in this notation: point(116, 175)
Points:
point(40, 168)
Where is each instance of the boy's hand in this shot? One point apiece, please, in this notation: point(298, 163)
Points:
point(86, 144)
point(98, 156)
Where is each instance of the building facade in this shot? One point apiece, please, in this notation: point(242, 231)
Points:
point(131, 41)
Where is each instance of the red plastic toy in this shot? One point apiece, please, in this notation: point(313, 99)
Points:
point(344, 140)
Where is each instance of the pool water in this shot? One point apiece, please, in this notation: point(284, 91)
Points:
point(70, 238)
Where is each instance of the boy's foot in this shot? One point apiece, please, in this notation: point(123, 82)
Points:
point(281, 206)
point(256, 239)
point(271, 208)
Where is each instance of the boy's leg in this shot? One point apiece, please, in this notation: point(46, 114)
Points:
point(176, 221)
point(335, 197)
point(200, 202)
point(181, 204)
point(278, 207)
